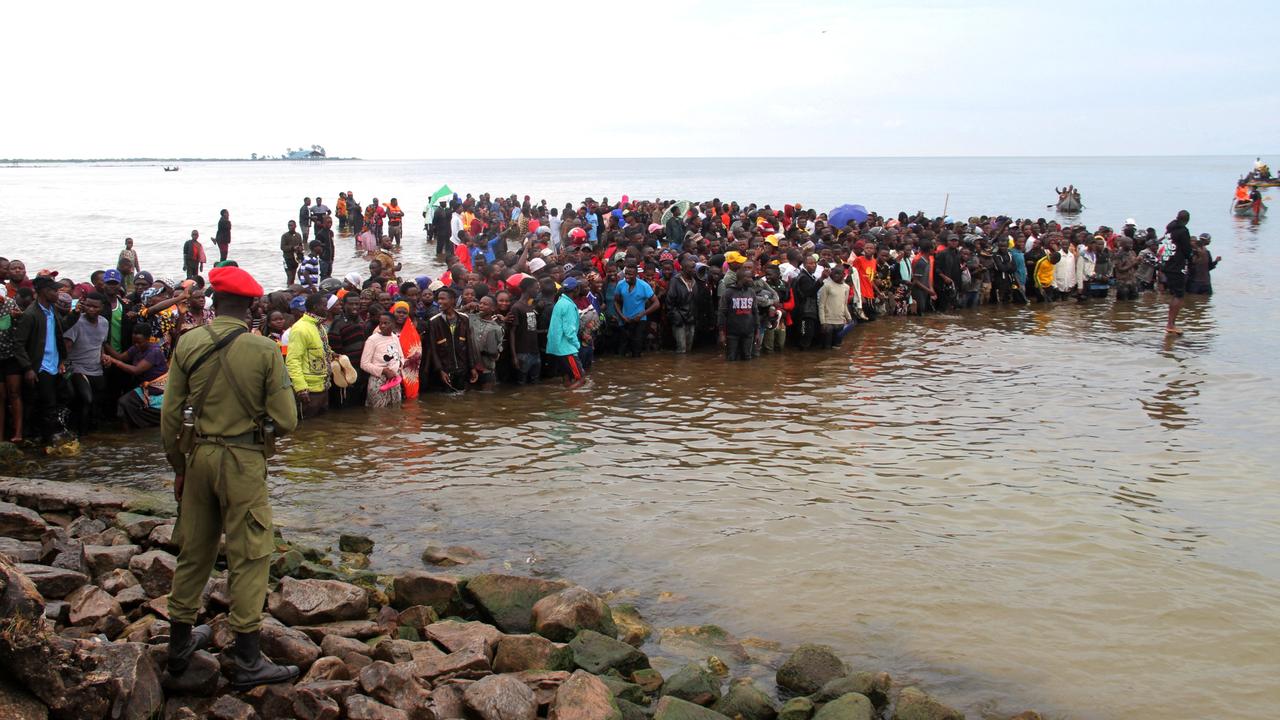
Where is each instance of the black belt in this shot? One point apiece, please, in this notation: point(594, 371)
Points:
point(242, 439)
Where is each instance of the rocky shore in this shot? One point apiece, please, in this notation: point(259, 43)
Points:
point(84, 572)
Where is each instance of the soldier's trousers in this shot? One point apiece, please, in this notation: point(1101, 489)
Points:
point(225, 491)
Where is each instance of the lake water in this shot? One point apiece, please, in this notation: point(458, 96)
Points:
point(1056, 508)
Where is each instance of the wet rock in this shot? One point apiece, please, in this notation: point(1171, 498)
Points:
point(154, 569)
point(90, 604)
point(20, 522)
point(138, 526)
point(544, 684)
point(202, 678)
point(809, 668)
point(417, 617)
point(799, 708)
point(673, 708)
point(584, 697)
point(53, 583)
point(271, 701)
point(598, 654)
point(530, 652)
point(287, 564)
point(852, 706)
point(162, 537)
point(359, 629)
point(311, 602)
point(470, 662)
point(286, 645)
point(314, 706)
point(874, 685)
point(746, 701)
point(326, 668)
point(451, 556)
point(58, 496)
point(102, 559)
point(230, 707)
point(132, 678)
point(359, 707)
point(508, 600)
point(693, 683)
point(453, 635)
point(915, 704)
point(116, 580)
point(346, 649)
point(648, 679)
point(561, 615)
point(697, 642)
point(108, 537)
point(20, 551)
point(501, 697)
point(352, 543)
point(624, 690)
point(448, 701)
point(441, 593)
point(632, 629)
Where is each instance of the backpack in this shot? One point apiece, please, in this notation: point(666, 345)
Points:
point(1165, 249)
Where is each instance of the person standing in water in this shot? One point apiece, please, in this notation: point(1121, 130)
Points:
point(1175, 268)
point(223, 238)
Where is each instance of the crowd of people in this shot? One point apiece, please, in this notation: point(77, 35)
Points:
point(531, 292)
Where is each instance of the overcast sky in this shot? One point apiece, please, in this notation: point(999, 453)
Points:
point(496, 79)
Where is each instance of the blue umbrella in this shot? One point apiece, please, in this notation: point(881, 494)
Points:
point(843, 214)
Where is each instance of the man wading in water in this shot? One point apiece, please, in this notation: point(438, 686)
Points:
point(1175, 267)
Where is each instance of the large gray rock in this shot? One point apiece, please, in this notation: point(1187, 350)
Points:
point(694, 684)
point(451, 556)
point(311, 602)
point(154, 570)
point(508, 600)
point(853, 706)
point(90, 604)
point(809, 668)
point(53, 583)
point(583, 697)
point(162, 538)
point(746, 701)
point(351, 651)
point(20, 522)
point(673, 708)
point(20, 551)
point(501, 697)
point(915, 704)
point(311, 705)
point(469, 662)
point(561, 615)
point(530, 652)
point(353, 543)
point(453, 635)
point(598, 654)
point(133, 679)
point(138, 526)
point(286, 645)
point(116, 580)
point(85, 525)
point(103, 559)
point(441, 593)
point(874, 685)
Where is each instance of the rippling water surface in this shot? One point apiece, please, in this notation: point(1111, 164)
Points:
point(1055, 507)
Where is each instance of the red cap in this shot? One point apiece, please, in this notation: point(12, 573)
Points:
point(577, 233)
point(234, 281)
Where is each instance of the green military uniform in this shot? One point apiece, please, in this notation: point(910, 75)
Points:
point(225, 487)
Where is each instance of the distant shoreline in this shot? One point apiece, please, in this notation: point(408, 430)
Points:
point(32, 161)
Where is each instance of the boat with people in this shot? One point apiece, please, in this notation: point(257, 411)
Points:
point(173, 168)
point(1260, 176)
point(1068, 199)
point(1248, 201)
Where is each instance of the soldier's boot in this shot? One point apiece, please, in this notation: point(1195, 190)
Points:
point(184, 641)
point(252, 668)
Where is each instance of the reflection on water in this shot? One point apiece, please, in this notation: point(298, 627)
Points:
point(1018, 508)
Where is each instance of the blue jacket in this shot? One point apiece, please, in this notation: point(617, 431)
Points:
point(562, 334)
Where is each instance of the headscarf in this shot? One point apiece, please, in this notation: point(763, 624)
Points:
point(354, 278)
point(400, 304)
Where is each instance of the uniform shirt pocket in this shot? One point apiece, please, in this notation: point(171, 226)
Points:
point(259, 535)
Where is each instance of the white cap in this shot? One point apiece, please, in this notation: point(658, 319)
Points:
point(536, 264)
point(1132, 222)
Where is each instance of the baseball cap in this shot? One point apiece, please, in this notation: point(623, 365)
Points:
point(570, 283)
point(112, 275)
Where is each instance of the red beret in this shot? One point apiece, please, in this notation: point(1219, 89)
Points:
point(234, 281)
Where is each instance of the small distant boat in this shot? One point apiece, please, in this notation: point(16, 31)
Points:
point(1069, 204)
point(175, 168)
point(1255, 209)
point(1268, 183)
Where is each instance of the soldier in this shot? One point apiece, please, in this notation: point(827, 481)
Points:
point(218, 444)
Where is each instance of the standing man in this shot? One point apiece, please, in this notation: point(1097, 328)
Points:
point(452, 354)
point(680, 304)
point(633, 300)
point(304, 220)
point(441, 224)
point(40, 354)
point(193, 257)
point(220, 473)
point(223, 238)
point(309, 356)
point(395, 221)
point(1175, 268)
point(293, 246)
point(738, 318)
point(562, 335)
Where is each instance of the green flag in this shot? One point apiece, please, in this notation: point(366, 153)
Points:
point(443, 192)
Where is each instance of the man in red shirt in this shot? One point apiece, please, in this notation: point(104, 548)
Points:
point(865, 266)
